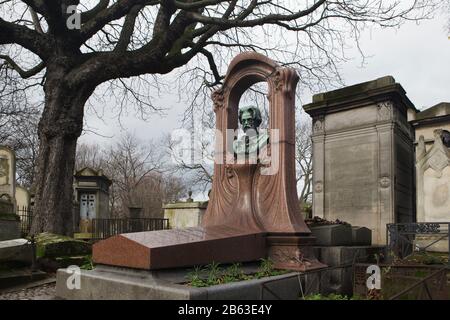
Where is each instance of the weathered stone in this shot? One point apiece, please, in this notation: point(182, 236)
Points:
point(361, 236)
point(185, 214)
point(432, 128)
point(9, 227)
point(91, 189)
point(127, 284)
point(16, 250)
point(333, 235)
point(6, 207)
point(51, 245)
point(7, 174)
point(339, 279)
point(363, 155)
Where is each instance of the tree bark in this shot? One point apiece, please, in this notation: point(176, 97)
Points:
point(59, 128)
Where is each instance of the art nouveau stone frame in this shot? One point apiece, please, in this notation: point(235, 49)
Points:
point(274, 201)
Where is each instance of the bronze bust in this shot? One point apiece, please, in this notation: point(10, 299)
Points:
point(252, 142)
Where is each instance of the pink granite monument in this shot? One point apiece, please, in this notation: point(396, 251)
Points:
point(253, 211)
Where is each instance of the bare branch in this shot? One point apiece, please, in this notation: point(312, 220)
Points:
point(23, 73)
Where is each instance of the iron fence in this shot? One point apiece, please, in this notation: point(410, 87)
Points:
point(105, 228)
point(26, 218)
point(432, 287)
point(405, 238)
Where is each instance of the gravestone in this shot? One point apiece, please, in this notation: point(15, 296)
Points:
point(361, 236)
point(363, 155)
point(253, 211)
point(9, 221)
point(333, 235)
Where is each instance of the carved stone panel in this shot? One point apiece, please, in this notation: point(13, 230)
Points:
point(385, 111)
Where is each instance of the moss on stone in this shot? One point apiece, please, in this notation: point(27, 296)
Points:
point(52, 245)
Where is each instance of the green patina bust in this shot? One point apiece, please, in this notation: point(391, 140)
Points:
point(253, 141)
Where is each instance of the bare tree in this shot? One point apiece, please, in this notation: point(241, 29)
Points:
point(121, 39)
point(90, 155)
point(18, 124)
point(139, 173)
point(303, 159)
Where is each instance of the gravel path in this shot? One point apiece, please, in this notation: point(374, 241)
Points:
point(42, 292)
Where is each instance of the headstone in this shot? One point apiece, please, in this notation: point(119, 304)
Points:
point(361, 236)
point(333, 235)
point(253, 208)
point(9, 221)
point(363, 155)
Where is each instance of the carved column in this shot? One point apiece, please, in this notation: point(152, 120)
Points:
point(318, 138)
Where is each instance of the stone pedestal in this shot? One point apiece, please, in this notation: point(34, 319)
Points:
point(292, 252)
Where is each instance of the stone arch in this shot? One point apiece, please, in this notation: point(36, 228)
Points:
point(274, 197)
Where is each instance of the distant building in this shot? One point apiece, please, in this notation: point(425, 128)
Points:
point(91, 192)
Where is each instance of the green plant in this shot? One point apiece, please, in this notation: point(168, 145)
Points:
point(266, 269)
point(331, 296)
point(87, 264)
point(214, 274)
point(233, 273)
point(194, 278)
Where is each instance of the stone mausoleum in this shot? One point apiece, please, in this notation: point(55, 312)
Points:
point(91, 191)
point(371, 146)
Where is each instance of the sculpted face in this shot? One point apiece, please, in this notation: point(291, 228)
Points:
point(250, 118)
point(248, 121)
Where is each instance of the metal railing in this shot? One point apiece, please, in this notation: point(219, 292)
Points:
point(26, 218)
point(432, 287)
point(402, 238)
point(105, 228)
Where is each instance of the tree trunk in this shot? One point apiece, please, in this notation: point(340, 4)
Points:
point(59, 128)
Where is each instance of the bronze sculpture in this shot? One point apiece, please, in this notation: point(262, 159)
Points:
point(253, 140)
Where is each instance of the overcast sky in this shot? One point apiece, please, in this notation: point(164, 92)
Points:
point(417, 56)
